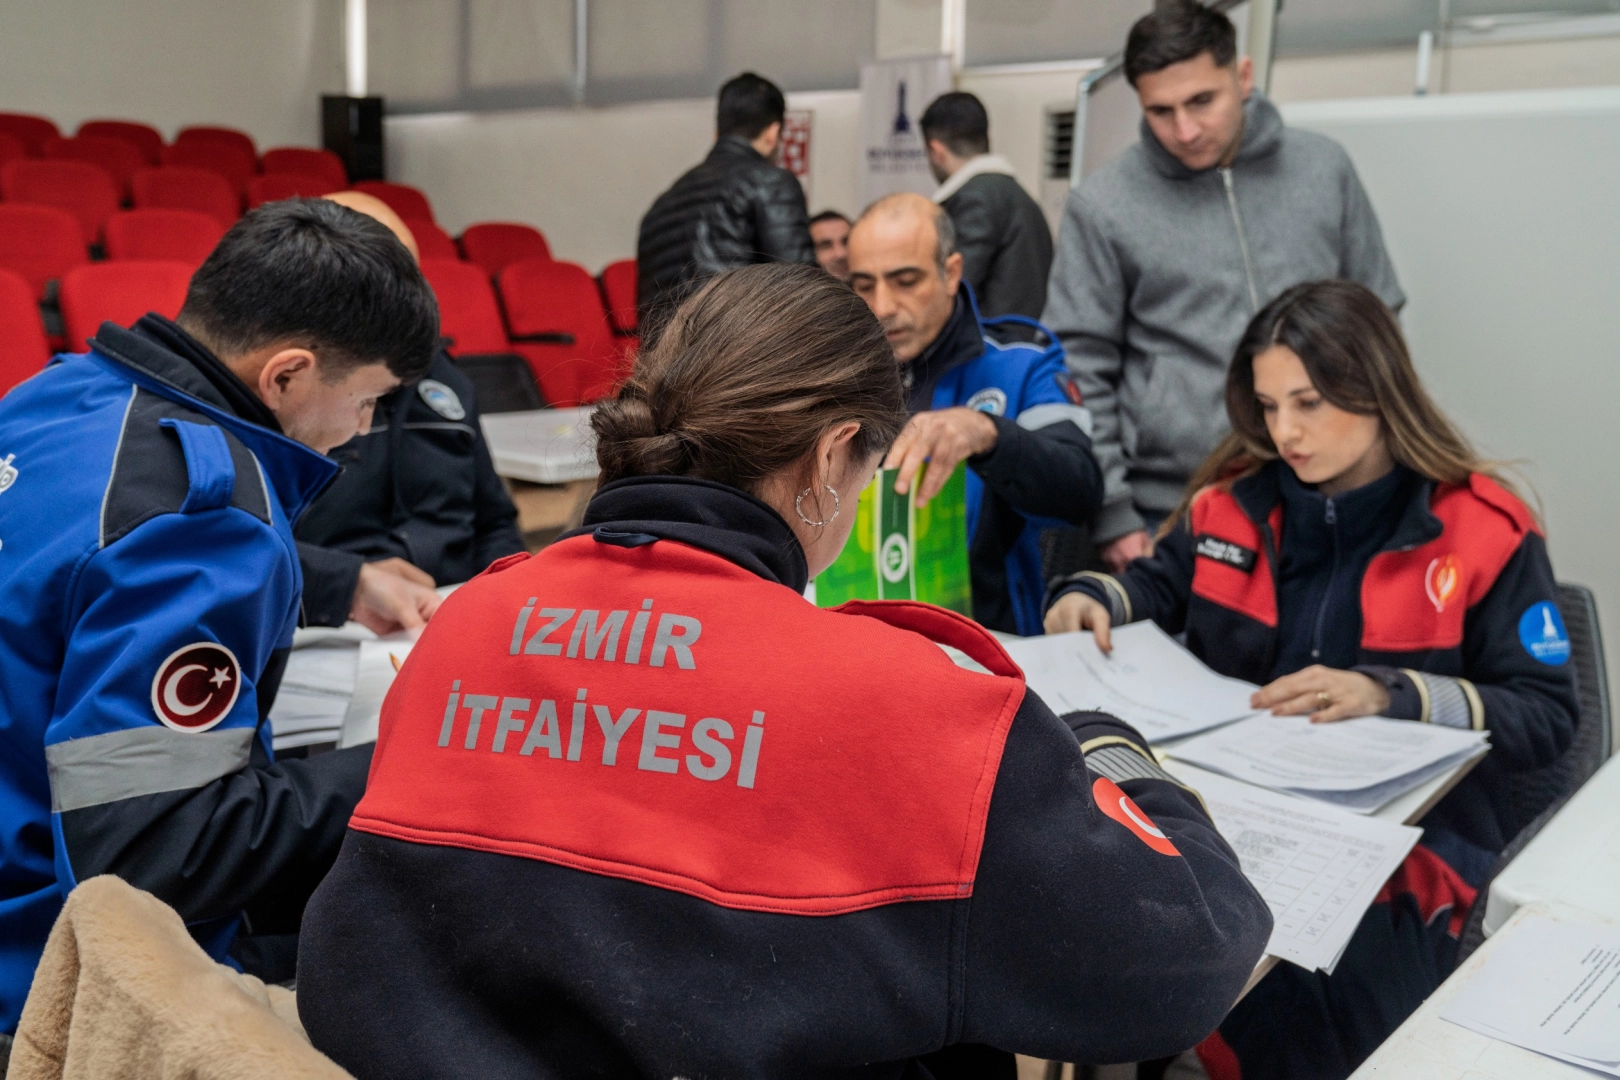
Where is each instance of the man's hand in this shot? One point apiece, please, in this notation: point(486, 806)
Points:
point(1077, 611)
point(386, 599)
point(942, 439)
point(1133, 545)
point(1327, 694)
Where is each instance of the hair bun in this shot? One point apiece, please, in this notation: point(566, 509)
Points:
point(629, 442)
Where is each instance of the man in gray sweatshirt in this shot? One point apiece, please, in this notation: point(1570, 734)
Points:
point(1166, 253)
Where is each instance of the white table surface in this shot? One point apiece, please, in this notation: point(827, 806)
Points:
point(1573, 862)
point(543, 446)
point(1429, 1048)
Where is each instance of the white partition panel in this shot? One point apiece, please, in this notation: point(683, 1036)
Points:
point(1502, 214)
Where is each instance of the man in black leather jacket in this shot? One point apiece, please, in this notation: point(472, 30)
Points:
point(734, 209)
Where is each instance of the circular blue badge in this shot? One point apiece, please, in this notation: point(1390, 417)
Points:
point(1541, 629)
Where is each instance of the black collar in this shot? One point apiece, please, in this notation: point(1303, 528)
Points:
point(1260, 492)
point(719, 519)
point(960, 341)
point(731, 146)
point(161, 350)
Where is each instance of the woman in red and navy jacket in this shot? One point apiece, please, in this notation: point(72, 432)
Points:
point(1346, 548)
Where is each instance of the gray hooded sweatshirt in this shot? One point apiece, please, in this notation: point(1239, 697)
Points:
point(1160, 268)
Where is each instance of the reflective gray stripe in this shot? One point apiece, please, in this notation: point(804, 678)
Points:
point(1448, 704)
point(1119, 601)
point(1120, 763)
point(141, 761)
point(1055, 412)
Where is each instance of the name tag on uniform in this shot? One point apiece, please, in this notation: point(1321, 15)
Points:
point(1225, 552)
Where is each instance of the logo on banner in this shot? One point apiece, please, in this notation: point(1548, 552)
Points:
point(1441, 581)
point(196, 686)
point(1541, 629)
point(1119, 806)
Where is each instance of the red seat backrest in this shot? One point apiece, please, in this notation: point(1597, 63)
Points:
point(231, 162)
point(468, 314)
point(221, 136)
point(22, 336)
point(619, 290)
point(273, 187)
point(179, 235)
point(41, 243)
point(119, 292)
point(11, 148)
point(82, 189)
point(118, 157)
point(494, 245)
point(309, 161)
point(176, 187)
point(31, 130)
point(144, 137)
point(432, 242)
point(543, 297)
point(406, 201)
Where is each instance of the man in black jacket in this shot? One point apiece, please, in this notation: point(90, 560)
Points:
point(1005, 242)
point(418, 503)
point(734, 209)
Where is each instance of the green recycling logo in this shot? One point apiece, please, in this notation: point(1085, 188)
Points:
point(894, 559)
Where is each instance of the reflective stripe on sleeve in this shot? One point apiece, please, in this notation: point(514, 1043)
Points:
point(1055, 412)
point(1449, 703)
point(141, 761)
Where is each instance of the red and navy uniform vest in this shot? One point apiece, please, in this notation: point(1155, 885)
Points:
point(637, 809)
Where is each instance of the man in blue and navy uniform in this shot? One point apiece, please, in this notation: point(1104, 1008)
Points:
point(149, 581)
point(1008, 410)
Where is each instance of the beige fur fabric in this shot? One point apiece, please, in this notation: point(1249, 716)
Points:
point(124, 993)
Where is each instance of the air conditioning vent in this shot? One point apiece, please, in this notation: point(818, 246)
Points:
point(1059, 143)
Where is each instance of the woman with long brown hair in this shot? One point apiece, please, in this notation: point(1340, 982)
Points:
point(1348, 549)
point(639, 809)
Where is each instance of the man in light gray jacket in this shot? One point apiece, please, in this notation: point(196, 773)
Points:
point(1166, 252)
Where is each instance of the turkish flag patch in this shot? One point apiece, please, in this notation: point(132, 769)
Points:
point(1118, 805)
point(196, 686)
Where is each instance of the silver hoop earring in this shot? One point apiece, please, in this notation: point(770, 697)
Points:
point(798, 507)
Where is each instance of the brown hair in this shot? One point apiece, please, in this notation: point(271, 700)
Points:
point(747, 375)
point(1353, 351)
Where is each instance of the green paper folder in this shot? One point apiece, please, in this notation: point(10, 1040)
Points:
point(898, 552)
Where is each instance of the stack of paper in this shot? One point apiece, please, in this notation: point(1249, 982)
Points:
point(1551, 986)
point(1317, 867)
point(1358, 764)
point(379, 662)
point(1148, 681)
point(315, 692)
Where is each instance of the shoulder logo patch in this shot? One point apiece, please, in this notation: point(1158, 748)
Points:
point(1541, 629)
point(441, 399)
point(1226, 552)
point(196, 686)
point(989, 400)
point(1119, 806)
point(1441, 580)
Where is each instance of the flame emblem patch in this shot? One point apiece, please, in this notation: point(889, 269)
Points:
point(1443, 579)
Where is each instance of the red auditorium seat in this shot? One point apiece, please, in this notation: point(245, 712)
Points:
point(22, 336)
point(180, 235)
point(41, 243)
point(118, 157)
point(273, 187)
point(84, 190)
point(229, 161)
point(11, 148)
point(495, 244)
point(432, 242)
point(240, 140)
point(468, 314)
point(144, 137)
point(619, 290)
point(31, 131)
point(556, 321)
point(310, 162)
point(175, 187)
point(119, 292)
point(406, 201)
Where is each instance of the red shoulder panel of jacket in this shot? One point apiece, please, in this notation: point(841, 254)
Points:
point(1416, 599)
point(1249, 591)
point(661, 715)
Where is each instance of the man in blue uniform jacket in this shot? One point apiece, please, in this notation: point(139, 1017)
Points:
point(1008, 410)
point(149, 581)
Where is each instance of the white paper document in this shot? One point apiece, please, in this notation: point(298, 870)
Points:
point(1148, 681)
point(379, 662)
point(1551, 986)
point(1317, 867)
point(314, 693)
point(1357, 764)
